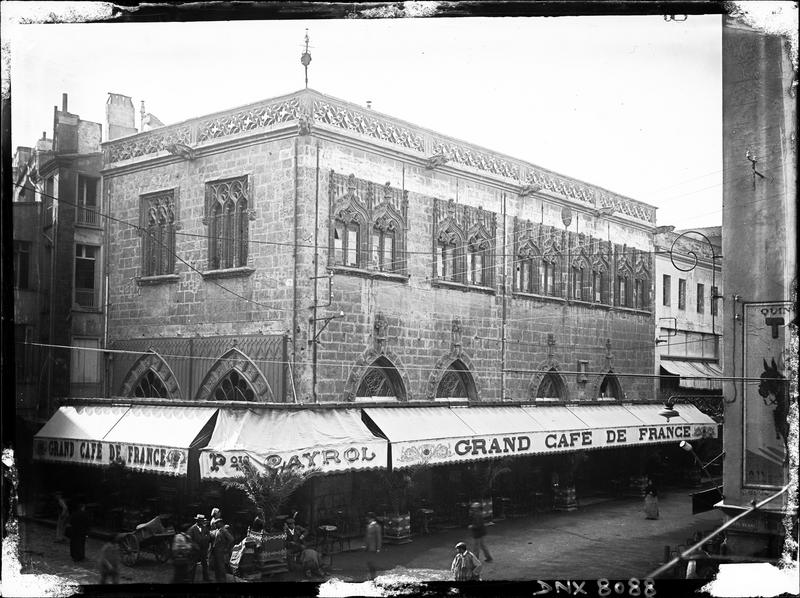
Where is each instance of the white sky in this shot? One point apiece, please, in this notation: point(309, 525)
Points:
point(632, 104)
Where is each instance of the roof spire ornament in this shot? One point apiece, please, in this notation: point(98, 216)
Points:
point(305, 59)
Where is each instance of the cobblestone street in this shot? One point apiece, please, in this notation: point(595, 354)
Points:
point(609, 538)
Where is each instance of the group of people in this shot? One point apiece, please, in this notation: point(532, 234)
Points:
point(204, 543)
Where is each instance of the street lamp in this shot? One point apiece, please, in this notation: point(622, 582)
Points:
point(669, 410)
point(687, 446)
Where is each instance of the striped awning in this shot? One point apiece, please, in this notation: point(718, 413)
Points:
point(694, 374)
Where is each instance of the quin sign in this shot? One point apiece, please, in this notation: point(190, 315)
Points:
point(342, 458)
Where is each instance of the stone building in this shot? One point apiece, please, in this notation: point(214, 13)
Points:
point(392, 296)
point(689, 315)
point(760, 222)
point(58, 245)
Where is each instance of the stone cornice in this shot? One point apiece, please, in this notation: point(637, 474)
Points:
point(309, 108)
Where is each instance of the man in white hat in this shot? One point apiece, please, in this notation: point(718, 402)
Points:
point(200, 535)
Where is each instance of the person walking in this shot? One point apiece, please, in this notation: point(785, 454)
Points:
point(220, 547)
point(465, 565)
point(79, 529)
point(650, 500)
point(109, 561)
point(478, 529)
point(183, 551)
point(62, 520)
point(201, 537)
point(373, 542)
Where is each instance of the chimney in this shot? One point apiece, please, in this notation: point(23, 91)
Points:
point(64, 103)
point(369, 104)
point(120, 116)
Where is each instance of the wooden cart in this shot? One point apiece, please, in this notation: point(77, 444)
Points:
point(150, 537)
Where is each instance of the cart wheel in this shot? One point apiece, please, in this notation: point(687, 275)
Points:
point(162, 551)
point(129, 549)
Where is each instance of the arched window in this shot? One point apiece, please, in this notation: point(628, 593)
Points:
point(610, 387)
point(150, 386)
point(551, 386)
point(599, 284)
point(580, 281)
point(233, 387)
point(526, 273)
point(383, 248)
point(228, 217)
point(456, 383)
point(158, 233)
point(382, 380)
point(548, 276)
point(447, 257)
point(346, 241)
point(477, 262)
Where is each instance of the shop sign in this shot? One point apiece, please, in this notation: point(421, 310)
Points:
point(766, 394)
point(155, 459)
point(229, 464)
point(486, 447)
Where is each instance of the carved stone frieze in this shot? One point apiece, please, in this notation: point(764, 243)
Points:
point(249, 119)
point(148, 143)
point(476, 159)
point(344, 118)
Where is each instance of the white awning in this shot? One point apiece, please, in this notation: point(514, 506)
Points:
point(74, 434)
point(148, 438)
point(157, 439)
point(437, 435)
point(323, 440)
point(695, 374)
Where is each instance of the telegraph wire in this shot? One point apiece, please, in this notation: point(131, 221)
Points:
point(338, 363)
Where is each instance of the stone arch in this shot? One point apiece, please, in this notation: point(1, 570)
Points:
point(607, 383)
point(367, 369)
point(454, 366)
point(548, 370)
point(237, 362)
point(154, 366)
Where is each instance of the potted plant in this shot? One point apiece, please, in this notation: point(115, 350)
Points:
point(268, 490)
point(398, 486)
point(484, 475)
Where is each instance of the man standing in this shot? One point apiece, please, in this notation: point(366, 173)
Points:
point(63, 519)
point(79, 529)
point(109, 561)
point(201, 537)
point(221, 544)
point(478, 529)
point(373, 541)
point(465, 566)
point(183, 551)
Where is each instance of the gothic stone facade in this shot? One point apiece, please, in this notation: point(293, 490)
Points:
point(306, 249)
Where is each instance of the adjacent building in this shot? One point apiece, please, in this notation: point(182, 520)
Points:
point(58, 266)
point(689, 315)
point(760, 324)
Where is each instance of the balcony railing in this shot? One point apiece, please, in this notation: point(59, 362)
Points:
point(88, 215)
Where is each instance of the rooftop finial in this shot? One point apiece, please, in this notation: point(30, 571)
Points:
point(305, 59)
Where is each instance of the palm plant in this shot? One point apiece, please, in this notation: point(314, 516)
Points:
point(269, 490)
point(399, 485)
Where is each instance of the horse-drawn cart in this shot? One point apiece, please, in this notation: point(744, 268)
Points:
point(150, 537)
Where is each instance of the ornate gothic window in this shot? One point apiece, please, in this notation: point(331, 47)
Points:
point(233, 387)
point(551, 386)
point(382, 380)
point(452, 386)
point(479, 263)
point(346, 239)
point(367, 225)
point(548, 276)
point(581, 280)
point(158, 226)
point(150, 386)
point(448, 256)
point(526, 273)
point(610, 387)
point(228, 216)
point(599, 282)
point(641, 299)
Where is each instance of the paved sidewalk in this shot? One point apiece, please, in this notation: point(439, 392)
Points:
point(610, 538)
